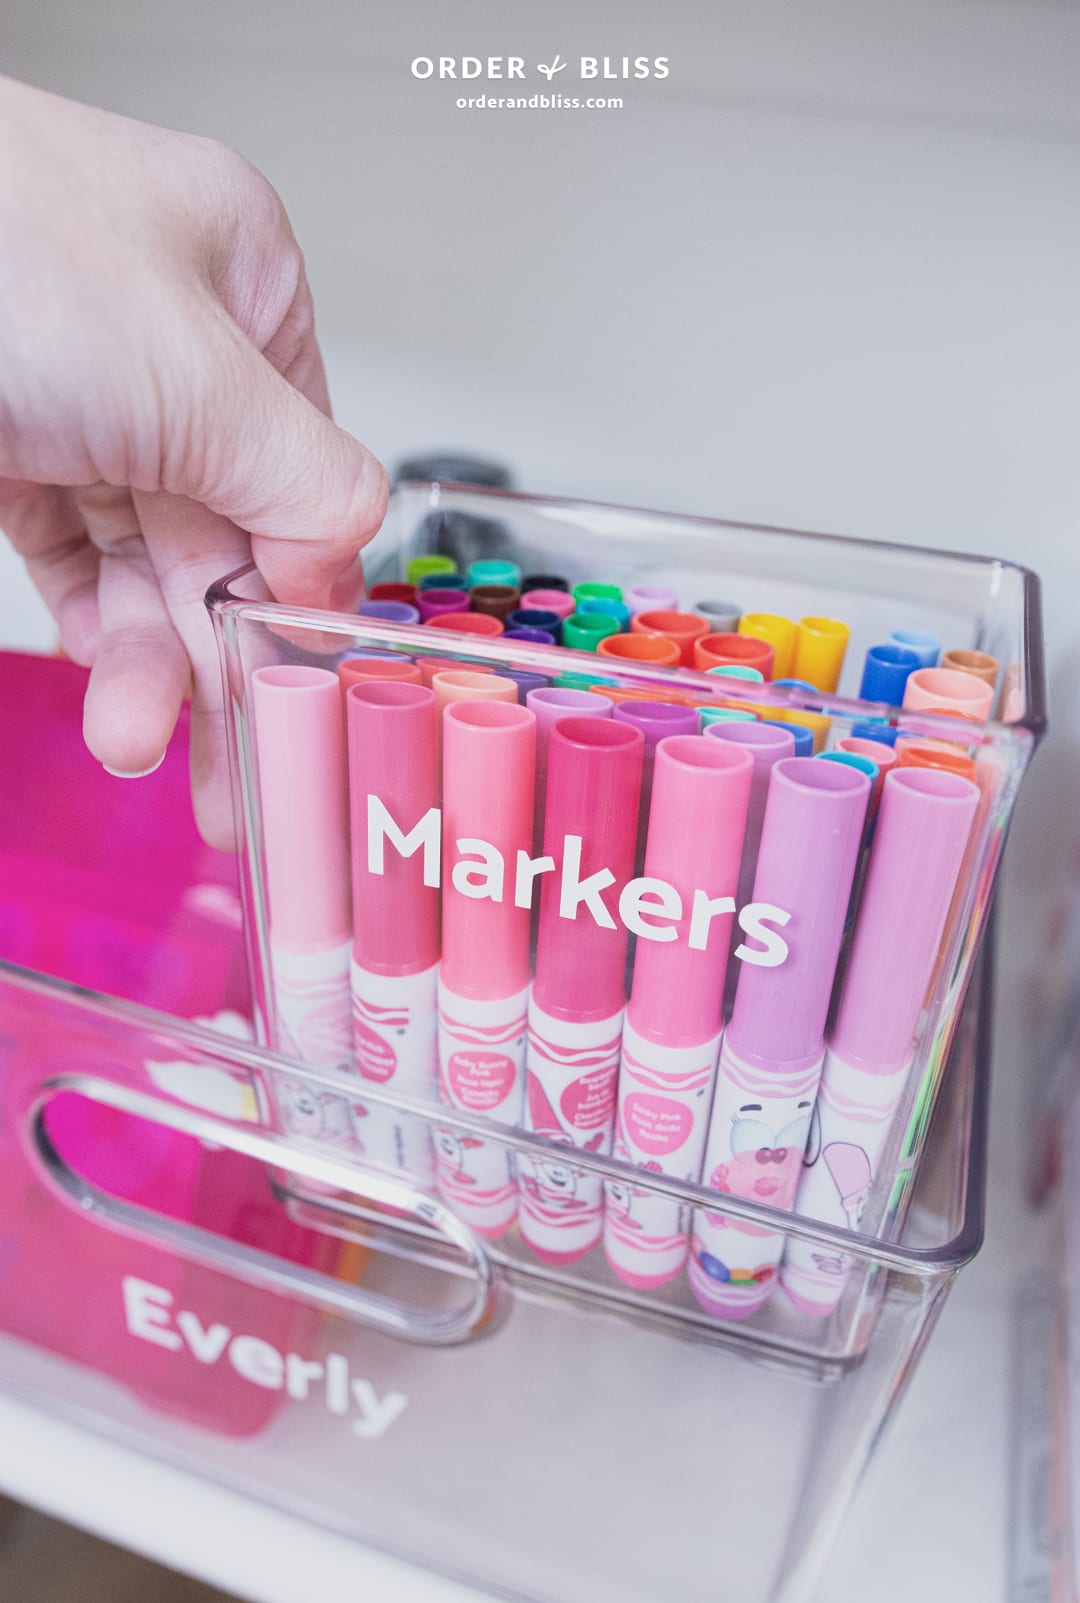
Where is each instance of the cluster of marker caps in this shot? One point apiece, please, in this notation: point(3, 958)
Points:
point(643, 624)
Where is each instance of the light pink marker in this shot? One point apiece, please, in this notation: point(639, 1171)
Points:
point(576, 1008)
point(923, 826)
point(394, 794)
point(549, 704)
point(300, 753)
point(774, 1046)
point(489, 766)
point(682, 917)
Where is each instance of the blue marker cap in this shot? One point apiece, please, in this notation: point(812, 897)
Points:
point(797, 684)
point(524, 681)
point(441, 581)
point(926, 647)
point(535, 618)
point(886, 673)
point(388, 611)
point(607, 607)
point(538, 637)
point(804, 738)
point(875, 729)
point(493, 570)
point(852, 759)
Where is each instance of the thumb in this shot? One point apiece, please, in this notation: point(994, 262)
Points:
point(263, 456)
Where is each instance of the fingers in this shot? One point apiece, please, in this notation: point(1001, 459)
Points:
point(45, 528)
point(261, 454)
point(140, 673)
point(189, 548)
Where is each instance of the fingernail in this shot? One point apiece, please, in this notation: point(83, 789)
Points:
point(122, 773)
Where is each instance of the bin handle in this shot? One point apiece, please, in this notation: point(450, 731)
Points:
point(431, 1328)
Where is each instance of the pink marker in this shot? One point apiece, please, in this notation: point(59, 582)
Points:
point(489, 765)
point(682, 917)
point(394, 791)
point(923, 826)
point(300, 751)
point(657, 720)
point(549, 705)
point(576, 1008)
point(557, 601)
point(774, 1046)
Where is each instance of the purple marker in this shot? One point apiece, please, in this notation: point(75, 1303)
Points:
point(773, 1048)
point(656, 720)
point(435, 603)
point(923, 825)
point(651, 598)
point(534, 637)
point(389, 611)
point(549, 706)
point(524, 681)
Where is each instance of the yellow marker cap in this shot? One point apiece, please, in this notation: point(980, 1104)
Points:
point(780, 633)
point(820, 644)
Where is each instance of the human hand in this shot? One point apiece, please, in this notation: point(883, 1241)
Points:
point(163, 416)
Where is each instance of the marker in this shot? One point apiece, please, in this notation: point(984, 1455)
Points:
point(725, 715)
point(524, 681)
point(300, 753)
point(701, 790)
point(440, 581)
point(853, 759)
point(605, 607)
point(533, 637)
point(683, 628)
point(773, 1048)
point(721, 616)
point(927, 647)
point(804, 739)
point(393, 769)
point(388, 611)
point(948, 690)
point(886, 672)
point(556, 601)
point(738, 670)
point(584, 631)
point(496, 600)
point(467, 623)
point(657, 720)
point(548, 707)
point(581, 681)
point(657, 649)
point(535, 618)
point(979, 663)
point(595, 590)
point(355, 670)
point(767, 745)
point(923, 826)
point(820, 644)
point(651, 693)
point(430, 666)
point(576, 1010)
point(927, 754)
point(544, 581)
point(779, 632)
point(733, 651)
point(651, 598)
point(489, 761)
point(420, 567)
point(462, 684)
point(879, 752)
point(796, 684)
point(393, 592)
point(437, 603)
point(493, 570)
point(879, 729)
